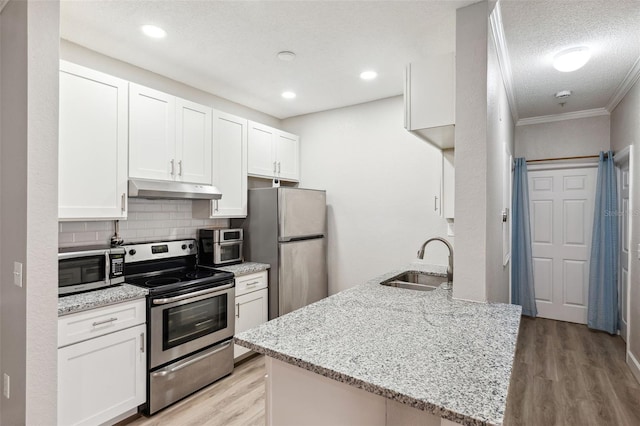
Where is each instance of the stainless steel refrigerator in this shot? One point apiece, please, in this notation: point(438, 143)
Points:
point(286, 227)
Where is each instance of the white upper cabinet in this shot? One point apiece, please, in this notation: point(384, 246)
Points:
point(429, 96)
point(273, 153)
point(169, 137)
point(92, 153)
point(229, 169)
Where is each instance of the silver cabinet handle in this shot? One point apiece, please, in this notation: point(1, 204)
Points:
point(97, 323)
point(215, 208)
point(435, 203)
point(252, 283)
point(237, 310)
point(180, 168)
point(207, 354)
point(123, 202)
point(274, 167)
point(173, 171)
point(278, 167)
point(142, 342)
point(190, 295)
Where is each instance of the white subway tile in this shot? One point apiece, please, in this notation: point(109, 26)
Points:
point(98, 226)
point(80, 237)
point(73, 226)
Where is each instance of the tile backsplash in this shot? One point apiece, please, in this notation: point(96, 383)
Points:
point(147, 220)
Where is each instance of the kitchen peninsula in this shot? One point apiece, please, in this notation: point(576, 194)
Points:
point(380, 355)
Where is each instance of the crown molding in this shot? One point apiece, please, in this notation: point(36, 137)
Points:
point(3, 3)
point(626, 84)
point(596, 112)
point(495, 21)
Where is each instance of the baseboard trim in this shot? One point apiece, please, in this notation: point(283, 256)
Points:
point(634, 365)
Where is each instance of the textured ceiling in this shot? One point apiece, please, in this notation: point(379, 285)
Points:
point(536, 30)
point(229, 47)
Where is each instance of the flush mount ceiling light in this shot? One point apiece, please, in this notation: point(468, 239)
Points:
point(153, 31)
point(368, 75)
point(286, 56)
point(563, 94)
point(288, 95)
point(571, 59)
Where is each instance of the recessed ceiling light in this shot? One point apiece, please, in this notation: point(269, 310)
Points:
point(288, 95)
point(286, 56)
point(153, 31)
point(571, 59)
point(368, 75)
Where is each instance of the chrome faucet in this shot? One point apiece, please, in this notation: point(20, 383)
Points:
point(449, 284)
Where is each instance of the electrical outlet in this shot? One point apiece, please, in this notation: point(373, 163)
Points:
point(17, 273)
point(6, 386)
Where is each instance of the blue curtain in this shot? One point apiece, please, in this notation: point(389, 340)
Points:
point(602, 311)
point(522, 291)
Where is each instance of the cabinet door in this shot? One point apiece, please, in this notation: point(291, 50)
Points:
point(251, 311)
point(262, 160)
point(92, 158)
point(193, 142)
point(102, 378)
point(230, 165)
point(287, 153)
point(152, 134)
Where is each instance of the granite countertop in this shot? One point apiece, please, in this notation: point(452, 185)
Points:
point(245, 268)
point(97, 298)
point(447, 357)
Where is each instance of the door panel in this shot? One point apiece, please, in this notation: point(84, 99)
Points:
point(561, 204)
point(301, 213)
point(193, 142)
point(302, 274)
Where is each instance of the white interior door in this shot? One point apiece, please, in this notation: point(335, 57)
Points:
point(623, 270)
point(561, 206)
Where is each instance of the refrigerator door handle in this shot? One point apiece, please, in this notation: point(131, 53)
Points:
point(306, 237)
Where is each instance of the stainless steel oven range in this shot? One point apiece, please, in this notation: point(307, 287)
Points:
point(190, 319)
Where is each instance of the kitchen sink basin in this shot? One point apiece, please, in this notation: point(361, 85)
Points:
point(415, 281)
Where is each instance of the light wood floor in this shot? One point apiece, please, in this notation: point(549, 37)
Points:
point(563, 375)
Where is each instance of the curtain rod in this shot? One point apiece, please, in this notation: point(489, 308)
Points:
point(582, 157)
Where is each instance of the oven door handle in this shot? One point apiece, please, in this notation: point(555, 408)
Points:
point(230, 243)
point(167, 300)
point(178, 367)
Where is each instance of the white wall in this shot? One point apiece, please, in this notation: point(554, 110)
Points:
point(500, 145)
point(484, 141)
point(567, 138)
point(82, 56)
point(625, 131)
point(471, 152)
point(380, 183)
point(28, 219)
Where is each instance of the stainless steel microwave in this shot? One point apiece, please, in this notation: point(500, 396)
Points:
point(89, 268)
point(219, 247)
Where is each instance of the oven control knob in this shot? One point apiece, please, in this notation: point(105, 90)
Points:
point(190, 246)
point(132, 252)
point(184, 247)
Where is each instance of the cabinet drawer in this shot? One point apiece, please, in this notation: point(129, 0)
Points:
point(100, 321)
point(251, 282)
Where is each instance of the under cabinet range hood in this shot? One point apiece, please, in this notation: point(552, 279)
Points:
point(159, 189)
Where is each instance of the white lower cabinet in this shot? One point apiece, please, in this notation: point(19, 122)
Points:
point(102, 378)
point(252, 305)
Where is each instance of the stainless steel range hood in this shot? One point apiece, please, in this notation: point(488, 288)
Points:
point(142, 188)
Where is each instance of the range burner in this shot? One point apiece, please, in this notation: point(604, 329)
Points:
point(200, 273)
point(153, 282)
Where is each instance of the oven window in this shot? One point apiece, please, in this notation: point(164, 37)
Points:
point(190, 321)
point(230, 252)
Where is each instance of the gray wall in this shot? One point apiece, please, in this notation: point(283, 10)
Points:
point(567, 138)
point(28, 216)
point(380, 182)
point(625, 131)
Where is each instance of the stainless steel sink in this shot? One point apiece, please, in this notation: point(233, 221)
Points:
point(415, 281)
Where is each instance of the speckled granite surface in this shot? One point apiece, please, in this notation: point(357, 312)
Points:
point(447, 357)
point(245, 268)
point(97, 298)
